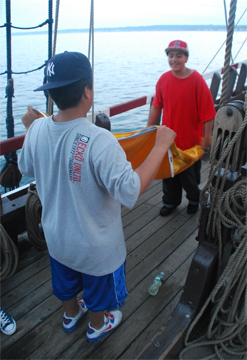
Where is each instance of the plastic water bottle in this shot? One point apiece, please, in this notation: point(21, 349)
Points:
point(158, 281)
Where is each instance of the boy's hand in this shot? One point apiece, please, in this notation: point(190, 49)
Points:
point(164, 137)
point(205, 143)
point(148, 169)
point(29, 117)
point(207, 134)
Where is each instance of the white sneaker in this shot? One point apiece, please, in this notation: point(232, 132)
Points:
point(7, 323)
point(112, 320)
point(70, 323)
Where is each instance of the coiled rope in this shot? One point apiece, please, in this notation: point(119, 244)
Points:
point(227, 328)
point(216, 192)
point(33, 210)
point(9, 255)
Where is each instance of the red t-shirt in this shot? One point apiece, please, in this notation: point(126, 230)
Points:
point(187, 104)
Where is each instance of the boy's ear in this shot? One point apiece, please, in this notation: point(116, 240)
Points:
point(87, 92)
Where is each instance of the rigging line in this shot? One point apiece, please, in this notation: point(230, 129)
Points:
point(240, 48)
point(93, 53)
point(214, 57)
point(223, 43)
point(54, 49)
point(49, 104)
point(24, 72)
point(241, 16)
point(226, 21)
point(91, 40)
point(29, 28)
point(230, 32)
point(224, 1)
point(56, 27)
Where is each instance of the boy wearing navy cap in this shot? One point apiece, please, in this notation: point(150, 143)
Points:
point(82, 178)
point(188, 109)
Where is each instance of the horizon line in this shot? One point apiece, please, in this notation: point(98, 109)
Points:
point(142, 27)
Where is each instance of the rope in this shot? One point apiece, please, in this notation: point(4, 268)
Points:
point(91, 41)
point(55, 28)
point(226, 70)
point(54, 49)
point(227, 327)
point(215, 191)
point(224, 44)
point(9, 255)
point(226, 23)
point(30, 28)
point(225, 12)
point(26, 28)
point(228, 301)
point(33, 211)
point(24, 72)
point(240, 49)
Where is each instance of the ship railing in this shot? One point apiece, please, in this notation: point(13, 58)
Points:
point(237, 85)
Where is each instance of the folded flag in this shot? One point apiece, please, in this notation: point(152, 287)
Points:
point(138, 144)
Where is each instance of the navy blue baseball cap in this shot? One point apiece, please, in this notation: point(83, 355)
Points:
point(66, 68)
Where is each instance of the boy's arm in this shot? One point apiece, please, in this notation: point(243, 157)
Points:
point(153, 114)
point(29, 117)
point(148, 169)
point(25, 161)
point(207, 133)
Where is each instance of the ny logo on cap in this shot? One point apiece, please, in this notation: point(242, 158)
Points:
point(177, 43)
point(50, 69)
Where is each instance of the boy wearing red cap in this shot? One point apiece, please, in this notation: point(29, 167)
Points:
point(188, 109)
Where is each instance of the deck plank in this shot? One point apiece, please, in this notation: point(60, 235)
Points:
point(14, 296)
point(153, 243)
point(20, 276)
point(137, 303)
point(28, 334)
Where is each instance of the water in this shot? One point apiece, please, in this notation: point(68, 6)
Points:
point(127, 66)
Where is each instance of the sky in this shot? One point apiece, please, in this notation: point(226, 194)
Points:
point(75, 14)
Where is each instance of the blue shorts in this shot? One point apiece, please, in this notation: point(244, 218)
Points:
point(100, 292)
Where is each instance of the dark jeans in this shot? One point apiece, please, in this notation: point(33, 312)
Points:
point(187, 180)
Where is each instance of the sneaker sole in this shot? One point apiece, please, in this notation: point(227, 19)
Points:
point(9, 332)
point(99, 337)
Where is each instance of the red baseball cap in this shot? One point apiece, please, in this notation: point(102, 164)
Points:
point(178, 45)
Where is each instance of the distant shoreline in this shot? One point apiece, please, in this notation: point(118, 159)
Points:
point(144, 28)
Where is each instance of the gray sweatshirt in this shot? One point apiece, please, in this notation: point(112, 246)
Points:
point(82, 178)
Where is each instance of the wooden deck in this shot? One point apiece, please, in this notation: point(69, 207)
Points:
point(153, 244)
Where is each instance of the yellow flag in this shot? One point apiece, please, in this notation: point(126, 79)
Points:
point(138, 144)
